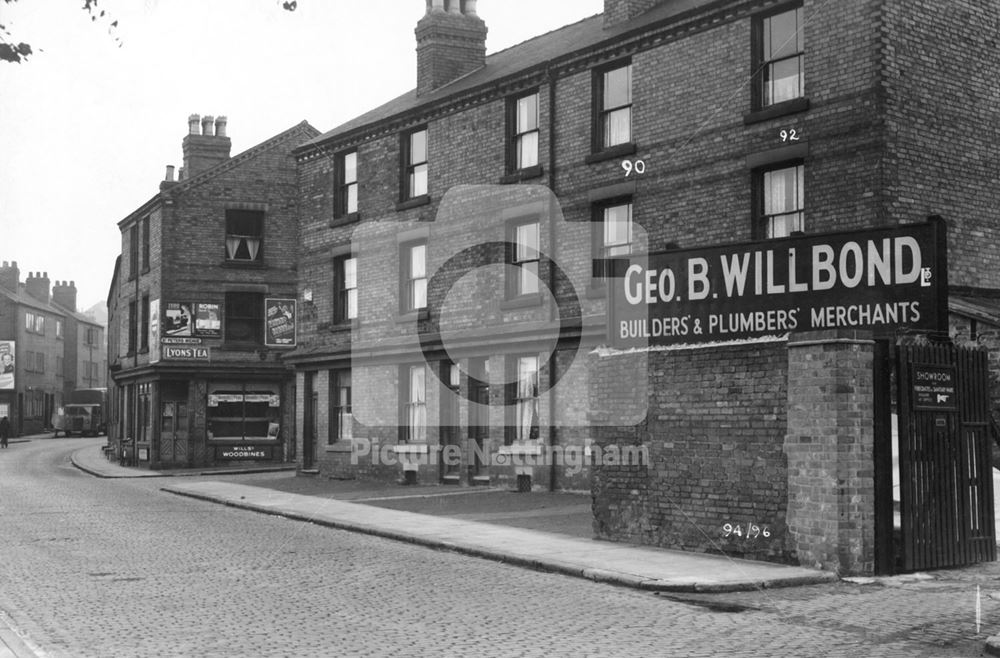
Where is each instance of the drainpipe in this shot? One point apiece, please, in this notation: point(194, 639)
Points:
point(553, 313)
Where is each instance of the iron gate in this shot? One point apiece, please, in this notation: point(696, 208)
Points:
point(945, 467)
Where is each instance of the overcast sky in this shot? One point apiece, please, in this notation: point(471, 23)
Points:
point(87, 127)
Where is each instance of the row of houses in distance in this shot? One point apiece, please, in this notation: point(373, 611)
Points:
point(47, 350)
point(421, 294)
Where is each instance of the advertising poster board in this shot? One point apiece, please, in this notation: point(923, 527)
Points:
point(208, 320)
point(279, 322)
point(6, 365)
point(177, 319)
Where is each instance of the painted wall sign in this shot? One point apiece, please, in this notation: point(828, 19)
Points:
point(241, 452)
point(279, 322)
point(933, 387)
point(873, 279)
point(176, 353)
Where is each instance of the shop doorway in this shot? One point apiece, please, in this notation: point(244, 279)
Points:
point(174, 444)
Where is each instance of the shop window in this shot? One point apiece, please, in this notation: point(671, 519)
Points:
point(413, 428)
point(244, 412)
point(778, 58)
point(244, 236)
point(522, 401)
point(340, 406)
point(244, 317)
point(779, 201)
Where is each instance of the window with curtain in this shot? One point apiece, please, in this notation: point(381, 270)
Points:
point(415, 407)
point(523, 117)
point(613, 89)
point(244, 236)
point(782, 205)
point(340, 406)
point(779, 57)
point(523, 402)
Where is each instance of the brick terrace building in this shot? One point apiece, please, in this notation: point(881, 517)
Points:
point(51, 355)
point(198, 378)
point(751, 120)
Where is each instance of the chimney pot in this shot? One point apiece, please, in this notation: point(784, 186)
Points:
point(220, 126)
point(170, 174)
point(207, 123)
point(470, 7)
point(194, 125)
point(454, 7)
point(435, 6)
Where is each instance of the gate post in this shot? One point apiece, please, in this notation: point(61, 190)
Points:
point(829, 444)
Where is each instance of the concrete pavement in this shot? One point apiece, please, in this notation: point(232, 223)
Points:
point(644, 568)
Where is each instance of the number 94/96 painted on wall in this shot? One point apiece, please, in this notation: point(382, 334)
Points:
point(746, 532)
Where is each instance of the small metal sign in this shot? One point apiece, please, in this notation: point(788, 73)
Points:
point(186, 353)
point(933, 387)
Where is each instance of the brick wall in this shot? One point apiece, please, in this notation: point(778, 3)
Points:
point(714, 436)
point(940, 65)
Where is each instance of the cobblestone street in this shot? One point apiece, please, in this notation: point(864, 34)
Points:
point(95, 567)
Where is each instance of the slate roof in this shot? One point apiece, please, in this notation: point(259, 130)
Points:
point(24, 299)
point(563, 42)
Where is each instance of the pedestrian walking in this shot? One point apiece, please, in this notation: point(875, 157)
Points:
point(4, 431)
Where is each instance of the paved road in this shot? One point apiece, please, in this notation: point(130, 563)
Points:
point(92, 567)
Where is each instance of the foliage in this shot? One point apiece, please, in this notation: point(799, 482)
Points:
point(17, 52)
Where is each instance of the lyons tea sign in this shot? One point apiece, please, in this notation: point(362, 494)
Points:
point(881, 279)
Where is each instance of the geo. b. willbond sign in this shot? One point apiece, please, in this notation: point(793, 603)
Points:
point(880, 279)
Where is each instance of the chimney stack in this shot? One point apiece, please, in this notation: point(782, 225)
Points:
point(64, 294)
point(37, 285)
point(203, 146)
point(620, 11)
point(10, 276)
point(451, 42)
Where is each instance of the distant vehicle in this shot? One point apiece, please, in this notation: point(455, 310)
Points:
point(84, 411)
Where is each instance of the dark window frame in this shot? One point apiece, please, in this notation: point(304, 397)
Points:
point(599, 249)
point(406, 403)
point(408, 167)
point(758, 193)
point(407, 301)
point(133, 252)
point(133, 327)
point(232, 316)
point(762, 67)
point(513, 398)
point(144, 325)
point(342, 187)
point(600, 112)
point(236, 221)
point(516, 263)
point(144, 225)
point(515, 135)
point(341, 293)
point(338, 406)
